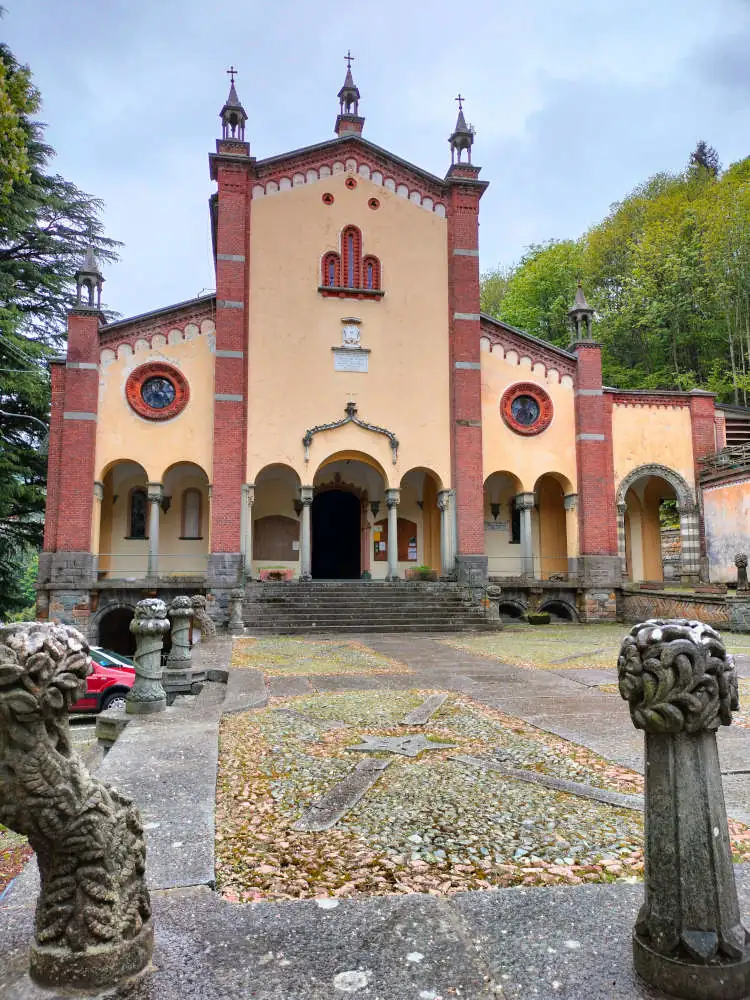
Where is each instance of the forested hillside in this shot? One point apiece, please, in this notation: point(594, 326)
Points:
point(668, 272)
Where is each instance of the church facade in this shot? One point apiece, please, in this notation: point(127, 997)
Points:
point(340, 408)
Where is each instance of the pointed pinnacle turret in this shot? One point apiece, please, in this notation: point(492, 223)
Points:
point(348, 119)
point(581, 315)
point(462, 137)
point(233, 115)
point(89, 278)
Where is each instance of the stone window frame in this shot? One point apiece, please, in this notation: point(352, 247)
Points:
point(157, 369)
point(542, 399)
point(351, 269)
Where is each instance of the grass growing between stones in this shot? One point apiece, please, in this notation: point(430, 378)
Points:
point(430, 824)
point(562, 647)
point(286, 655)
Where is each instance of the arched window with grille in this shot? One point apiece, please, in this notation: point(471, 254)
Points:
point(351, 251)
point(191, 513)
point(371, 273)
point(138, 513)
point(331, 270)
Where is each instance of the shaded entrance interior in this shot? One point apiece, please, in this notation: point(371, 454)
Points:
point(336, 536)
point(114, 631)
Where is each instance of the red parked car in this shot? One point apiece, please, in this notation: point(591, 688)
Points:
point(108, 685)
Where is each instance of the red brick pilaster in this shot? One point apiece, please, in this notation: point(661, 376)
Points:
point(73, 435)
point(463, 193)
point(232, 168)
point(57, 405)
point(597, 513)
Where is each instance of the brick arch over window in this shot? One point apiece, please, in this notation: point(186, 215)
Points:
point(351, 257)
point(371, 273)
point(331, 270)
point(349, 273)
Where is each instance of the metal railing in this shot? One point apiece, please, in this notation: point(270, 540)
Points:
point(736, 456)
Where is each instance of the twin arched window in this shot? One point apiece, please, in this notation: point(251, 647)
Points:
point(348, 269)
point(192, 510)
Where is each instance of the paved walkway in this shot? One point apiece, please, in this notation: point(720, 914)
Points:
point(570, 942)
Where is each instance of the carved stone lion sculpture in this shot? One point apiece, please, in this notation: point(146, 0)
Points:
point(202, 619)
point(93, 916)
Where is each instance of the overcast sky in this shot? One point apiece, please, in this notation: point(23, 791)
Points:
point(574, 102)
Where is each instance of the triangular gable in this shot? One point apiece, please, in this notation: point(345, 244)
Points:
point(510, 338)
point(357, 155)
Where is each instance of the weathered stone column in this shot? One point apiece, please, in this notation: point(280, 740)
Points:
point(93, 916)
point(681, 686)
point(570, 503)
point(621, 543)
point(447, 533)
point(149, 626)
point(305, 545)
point(392, 500)
point(690, 543)
point(155, 492)
point(236, 625)
point(525, 503)
point(248, 499)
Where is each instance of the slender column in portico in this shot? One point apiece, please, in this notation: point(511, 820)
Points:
point(392, 498)
point(570, 502)
point(155, 492)
point(447, 539)
point(525, 503)
point(305, 548)
point(248, 498)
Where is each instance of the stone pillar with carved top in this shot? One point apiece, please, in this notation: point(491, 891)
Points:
point(305, 548)
point(392, 500)
point(445, 500)
point(525, 504)
point(155, 494)
point(680, 684)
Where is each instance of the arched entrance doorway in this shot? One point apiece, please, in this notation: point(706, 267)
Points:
point(114, 631)
point(336, 526)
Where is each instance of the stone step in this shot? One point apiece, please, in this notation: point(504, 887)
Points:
point(352, 607)
point(484, 626)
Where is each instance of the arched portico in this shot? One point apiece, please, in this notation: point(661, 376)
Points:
point(639, 497)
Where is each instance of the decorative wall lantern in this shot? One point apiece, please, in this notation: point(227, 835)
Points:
point(495, 508)
point(375, 507)
point(166, 503)
point(298, 507)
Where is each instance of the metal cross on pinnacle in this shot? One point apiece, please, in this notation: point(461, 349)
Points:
point(460, 100)
point(232, 72)
point(349, 59)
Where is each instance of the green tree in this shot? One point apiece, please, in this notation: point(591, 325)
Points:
point(46, 226)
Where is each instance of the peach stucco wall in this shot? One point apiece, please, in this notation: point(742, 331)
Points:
point(293, 385)
point(726, 514)
point(643, 435)
point(123, 435)
point(527, 458)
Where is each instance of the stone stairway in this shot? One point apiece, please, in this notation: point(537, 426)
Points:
point(361, 606)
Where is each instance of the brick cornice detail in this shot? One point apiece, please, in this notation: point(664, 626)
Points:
point(525, 349)
point(646, 399)
point(148, 327)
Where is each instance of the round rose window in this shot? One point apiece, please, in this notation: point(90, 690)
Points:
point(157, 391)
point(526, 408)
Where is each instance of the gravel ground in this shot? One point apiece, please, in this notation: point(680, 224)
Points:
point(283, 655)
point(430, 823)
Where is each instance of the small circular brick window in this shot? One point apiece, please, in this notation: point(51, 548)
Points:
point(526, 408)
point(351, 183)
point(327, 198)
point(157, 391)
point(373, 203)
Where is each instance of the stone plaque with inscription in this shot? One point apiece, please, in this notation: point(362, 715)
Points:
point(349, 359)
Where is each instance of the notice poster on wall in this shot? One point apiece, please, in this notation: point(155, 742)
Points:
point(381, 546)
